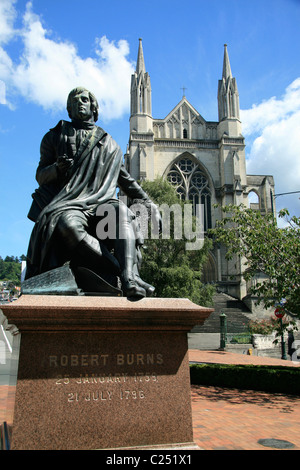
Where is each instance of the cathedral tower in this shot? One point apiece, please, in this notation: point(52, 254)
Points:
point(228, 101)
point(231, 142)
point(140, 95)
point(141, 123)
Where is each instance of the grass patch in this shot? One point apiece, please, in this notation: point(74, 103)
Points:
point(279, 379)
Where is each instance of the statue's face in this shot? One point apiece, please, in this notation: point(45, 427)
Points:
point(81, 106)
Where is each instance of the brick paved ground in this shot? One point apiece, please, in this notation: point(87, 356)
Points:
point(236, 419)
point(7, 400)
point(225, 357)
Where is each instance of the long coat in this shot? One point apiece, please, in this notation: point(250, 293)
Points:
point(96, 173)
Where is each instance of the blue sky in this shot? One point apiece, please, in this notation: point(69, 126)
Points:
point(47, 47)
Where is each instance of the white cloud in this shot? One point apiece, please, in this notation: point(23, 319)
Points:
point(271, 111)
point(47, 70)
point(2, 93)
point(7, 17)
point(273, 127)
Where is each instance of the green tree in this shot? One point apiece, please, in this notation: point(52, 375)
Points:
point(10, 269)
point(173, 270)
point(264, 248)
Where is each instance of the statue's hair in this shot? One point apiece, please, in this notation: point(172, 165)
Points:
point(94, 102)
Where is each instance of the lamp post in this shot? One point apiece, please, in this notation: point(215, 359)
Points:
point(223, 330)
point(274, 196)
point(279, 313)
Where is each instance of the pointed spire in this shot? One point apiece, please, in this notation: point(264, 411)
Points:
point(228, 96)
point(140, 65)
point(226, 65)
point(140, 86)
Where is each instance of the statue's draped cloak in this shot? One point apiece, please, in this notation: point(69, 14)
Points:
point(93, 179)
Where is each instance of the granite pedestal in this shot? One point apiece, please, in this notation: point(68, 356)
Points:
point(103, 372)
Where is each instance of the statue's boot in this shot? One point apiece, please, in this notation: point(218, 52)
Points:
point(125, 252)
point(130, 287)
point(148, 287)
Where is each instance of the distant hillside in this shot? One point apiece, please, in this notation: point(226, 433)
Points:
point(10, 269)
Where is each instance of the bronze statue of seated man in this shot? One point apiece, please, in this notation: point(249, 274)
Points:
point(80, 169)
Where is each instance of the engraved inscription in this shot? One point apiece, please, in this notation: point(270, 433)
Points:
point(147, 377)
point(123, 386)
point(110, 378)
point(62, 380)
point(130, 393)
point(139, 359)
point(105, 395)
point(93, 379)
point(78, 360)
point(84, 360)
point(134, 394)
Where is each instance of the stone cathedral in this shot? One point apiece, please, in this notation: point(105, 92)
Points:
point(204, 160)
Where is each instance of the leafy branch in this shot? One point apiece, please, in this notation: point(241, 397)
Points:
point(264, 248)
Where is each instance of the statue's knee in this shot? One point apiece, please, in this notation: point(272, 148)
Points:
point(71, 228)
point(63, 227)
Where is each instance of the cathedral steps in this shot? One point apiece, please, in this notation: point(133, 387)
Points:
point(237, 315)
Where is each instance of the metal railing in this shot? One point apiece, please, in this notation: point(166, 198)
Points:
point(239, 338)
point(231, 338)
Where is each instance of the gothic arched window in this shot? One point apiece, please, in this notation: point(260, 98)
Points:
point(192, 184)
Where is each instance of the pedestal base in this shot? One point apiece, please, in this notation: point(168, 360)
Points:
point(103, 373)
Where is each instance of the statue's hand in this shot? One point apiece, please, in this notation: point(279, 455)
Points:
point(64, 163)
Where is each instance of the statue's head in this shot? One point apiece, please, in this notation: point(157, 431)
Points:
point(82, 93)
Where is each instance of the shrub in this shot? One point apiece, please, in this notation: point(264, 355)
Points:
point(277, 379)
point(262, 327)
